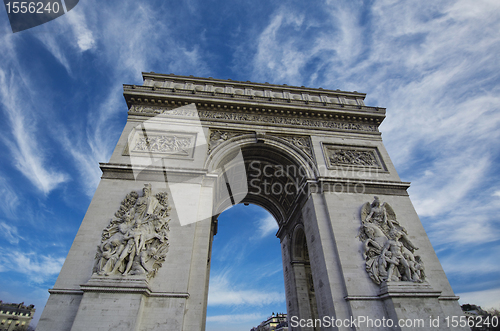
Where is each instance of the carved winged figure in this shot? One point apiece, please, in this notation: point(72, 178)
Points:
point(387, 249)
point(136, 240)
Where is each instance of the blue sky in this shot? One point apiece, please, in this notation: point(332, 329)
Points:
point(433, 64)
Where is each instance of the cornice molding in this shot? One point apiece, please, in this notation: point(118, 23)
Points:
point(197, 81)
point(136, 94)
point(363, 186)
point(165, 92)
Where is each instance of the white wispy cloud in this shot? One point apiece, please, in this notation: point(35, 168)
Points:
point(444, 184)
point(282, 57)
point(37, 268)
point(86, 161)
point(432, 66)
point(234, 250)
point(11, 199)
point(84, 36)
point(80, 37)
point(459, 263)
point(266, 226)
point(94, 143)
point(9, 232)
point(51, 44)
point(26, 151)
point(223, 293)
point(147, 44)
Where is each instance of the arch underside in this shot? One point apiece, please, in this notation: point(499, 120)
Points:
point(274, 179)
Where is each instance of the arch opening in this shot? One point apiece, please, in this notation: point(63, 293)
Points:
point(246, 282)
point(274, 176)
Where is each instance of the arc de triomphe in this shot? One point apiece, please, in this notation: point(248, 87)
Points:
point(353, 246)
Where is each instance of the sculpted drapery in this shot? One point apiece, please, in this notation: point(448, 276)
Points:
point(136, 240)
point(387, 249)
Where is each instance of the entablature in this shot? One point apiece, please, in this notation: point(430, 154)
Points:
point(169, 91)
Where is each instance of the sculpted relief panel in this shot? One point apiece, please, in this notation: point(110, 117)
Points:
point(172, 144)
point(158, 143)
point(136, 240)
point(337, 155)
point(387, 249)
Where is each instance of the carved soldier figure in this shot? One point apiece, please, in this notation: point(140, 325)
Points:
point(147, 204)
point(387, 249)
point(135, 242)
point(396, 248)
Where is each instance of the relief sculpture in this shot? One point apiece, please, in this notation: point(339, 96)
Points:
point(164, 144)
point(136, 240)
point(302, 143)
point(217, 137)
point(352, 157)
point(387, 249)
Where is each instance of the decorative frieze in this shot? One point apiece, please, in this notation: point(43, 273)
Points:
point(283, 120)
point(215, 115)
point(136, 240)
point(388, 251)
point(340, 155)
point(165, 144)
point(163, 110)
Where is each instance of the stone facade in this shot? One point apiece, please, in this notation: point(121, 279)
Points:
point(314, 158)
point(15, 316)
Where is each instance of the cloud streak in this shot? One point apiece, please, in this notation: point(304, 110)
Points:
point(37, 268)
point(25, 150)
point(222, 293)
point(10, 233)
point(266, 226)
point(431, 66)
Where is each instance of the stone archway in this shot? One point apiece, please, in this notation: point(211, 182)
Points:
point(193, 147)
point(276, 173)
